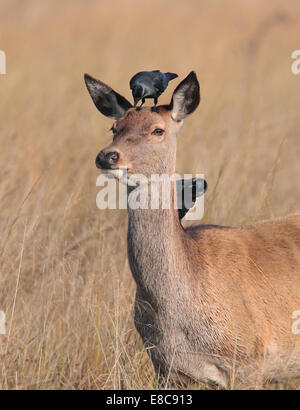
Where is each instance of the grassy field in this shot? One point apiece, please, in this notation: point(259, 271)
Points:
point(65, 284)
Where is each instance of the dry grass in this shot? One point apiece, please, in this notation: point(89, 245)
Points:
point(65, 283)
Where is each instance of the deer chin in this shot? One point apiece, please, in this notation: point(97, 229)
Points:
point(120, 174)
point(113, 173)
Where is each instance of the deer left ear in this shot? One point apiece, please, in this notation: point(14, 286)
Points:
point(109, 102)
point(186, 97)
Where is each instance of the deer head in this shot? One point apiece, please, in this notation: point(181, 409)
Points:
point(144, 141)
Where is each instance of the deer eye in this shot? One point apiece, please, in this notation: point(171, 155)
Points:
point(158, 132)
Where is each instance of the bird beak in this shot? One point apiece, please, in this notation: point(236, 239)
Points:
point(136, 100)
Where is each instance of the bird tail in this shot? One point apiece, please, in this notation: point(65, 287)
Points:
point(171, 76)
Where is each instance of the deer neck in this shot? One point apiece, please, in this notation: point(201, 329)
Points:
point(155, 247)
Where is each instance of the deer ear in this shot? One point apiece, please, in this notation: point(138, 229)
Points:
point(186, 97)
point(109, 102)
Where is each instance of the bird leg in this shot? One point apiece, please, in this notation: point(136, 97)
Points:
point(143, 102)
point(154, 109)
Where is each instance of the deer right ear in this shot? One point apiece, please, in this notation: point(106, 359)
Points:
point(186, 97)
point(109, 102)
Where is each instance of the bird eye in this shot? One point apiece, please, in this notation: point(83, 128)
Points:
point(113, 130)
point(158, 132)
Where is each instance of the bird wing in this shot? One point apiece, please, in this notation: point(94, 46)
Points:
point(158, 81)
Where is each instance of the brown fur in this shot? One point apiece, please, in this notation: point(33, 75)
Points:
point(213, 303)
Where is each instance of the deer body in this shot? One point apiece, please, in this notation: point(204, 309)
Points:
point(210, 305)
point(213, 304)
point(165, 301)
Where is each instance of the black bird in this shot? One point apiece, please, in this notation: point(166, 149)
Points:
point(184, 187)
point(149, 84)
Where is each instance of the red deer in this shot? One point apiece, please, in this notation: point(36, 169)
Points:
point(213, 303)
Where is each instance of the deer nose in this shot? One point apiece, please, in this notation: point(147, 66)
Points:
point(106, 160)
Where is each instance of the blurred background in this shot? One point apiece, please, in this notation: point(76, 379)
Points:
point(65, 284)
